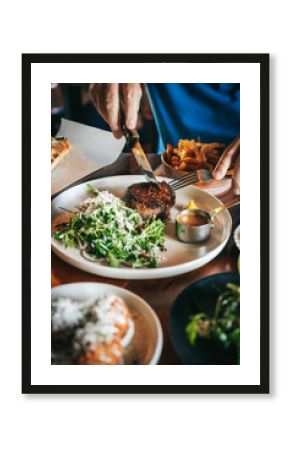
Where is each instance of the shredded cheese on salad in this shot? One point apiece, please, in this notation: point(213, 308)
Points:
point(106, 229)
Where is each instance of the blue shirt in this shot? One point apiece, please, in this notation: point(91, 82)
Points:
point(208, 111)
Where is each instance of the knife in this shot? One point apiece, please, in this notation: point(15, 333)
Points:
point(133, 141)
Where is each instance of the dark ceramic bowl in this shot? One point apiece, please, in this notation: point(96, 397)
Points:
point(200, 297)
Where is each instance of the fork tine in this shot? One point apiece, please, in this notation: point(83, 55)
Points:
point(189, 176)
point(183, 182)
point(180, 186)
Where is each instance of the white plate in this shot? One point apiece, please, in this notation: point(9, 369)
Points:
point(82, 291)
point(179, 258)
point(237, 237)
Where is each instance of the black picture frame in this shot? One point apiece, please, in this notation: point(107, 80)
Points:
point(263, 60)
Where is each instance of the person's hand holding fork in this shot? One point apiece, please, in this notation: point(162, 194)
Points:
point(230, 155)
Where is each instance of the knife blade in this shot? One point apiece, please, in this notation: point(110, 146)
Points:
point(133, 142)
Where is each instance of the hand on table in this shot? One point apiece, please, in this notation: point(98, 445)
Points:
point(231, 154)
point(106, 98)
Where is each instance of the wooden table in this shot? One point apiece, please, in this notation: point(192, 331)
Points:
point(160, 293)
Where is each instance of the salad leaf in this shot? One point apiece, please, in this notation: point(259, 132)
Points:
point(105, 228)
point(193, 328)
point(224, 326)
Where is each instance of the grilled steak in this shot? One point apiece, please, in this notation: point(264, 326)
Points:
point(149, 201)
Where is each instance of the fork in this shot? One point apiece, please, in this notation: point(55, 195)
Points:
point(197, 175)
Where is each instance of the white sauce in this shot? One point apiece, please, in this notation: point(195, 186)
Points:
point(66, 313)
point(93, 333)
point(109, 309)
point(97, 320)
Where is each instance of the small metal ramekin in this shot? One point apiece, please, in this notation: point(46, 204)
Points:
point(193, 234)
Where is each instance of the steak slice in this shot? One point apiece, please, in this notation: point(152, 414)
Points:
point(149, 201)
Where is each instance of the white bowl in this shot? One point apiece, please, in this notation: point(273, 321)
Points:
point(237, 237)
point(79, 291)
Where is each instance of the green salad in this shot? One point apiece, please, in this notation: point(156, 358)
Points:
point(224, 325)
point(105, 228)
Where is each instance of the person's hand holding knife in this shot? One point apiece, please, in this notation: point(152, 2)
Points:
point(107, 100)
